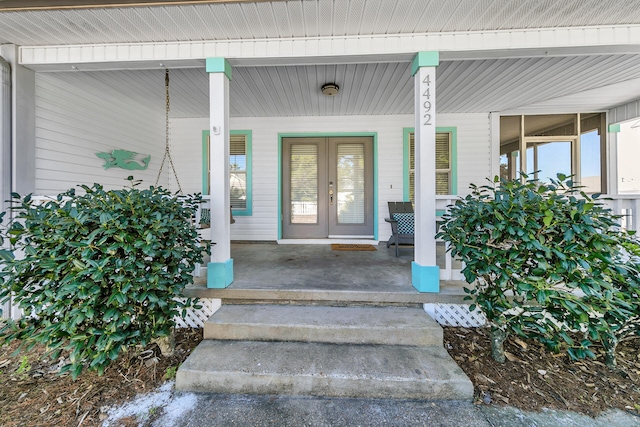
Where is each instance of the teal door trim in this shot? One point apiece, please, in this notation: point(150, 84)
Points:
point(374, 135)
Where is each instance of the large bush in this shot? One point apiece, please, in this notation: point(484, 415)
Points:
point(547, 262)
point(100, 271)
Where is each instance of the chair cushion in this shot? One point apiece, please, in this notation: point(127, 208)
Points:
point(405, 222)
point(205, 216)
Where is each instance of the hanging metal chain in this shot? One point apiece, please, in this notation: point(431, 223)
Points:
point(167, 151)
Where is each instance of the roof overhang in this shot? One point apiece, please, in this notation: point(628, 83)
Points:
point(35, 5)
point(621, 39)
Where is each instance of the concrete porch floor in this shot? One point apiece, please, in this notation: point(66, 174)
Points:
point(271, 271)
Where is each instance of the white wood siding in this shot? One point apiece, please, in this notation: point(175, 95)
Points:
point(474, 158)
point(76, 121)
point(625, 112)
point(473, 149)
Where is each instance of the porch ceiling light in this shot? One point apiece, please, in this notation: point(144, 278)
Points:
point(330, 89)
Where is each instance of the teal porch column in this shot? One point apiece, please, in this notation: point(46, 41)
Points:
point(220, 269)
point(425, 275)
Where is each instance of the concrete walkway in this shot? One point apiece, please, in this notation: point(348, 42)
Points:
point(203, 410)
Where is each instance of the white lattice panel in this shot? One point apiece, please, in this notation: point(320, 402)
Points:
point(455, 315)
point(195, 318)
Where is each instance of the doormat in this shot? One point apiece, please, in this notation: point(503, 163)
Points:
point(351, 247)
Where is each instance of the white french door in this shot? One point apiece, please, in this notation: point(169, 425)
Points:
point(327, 187)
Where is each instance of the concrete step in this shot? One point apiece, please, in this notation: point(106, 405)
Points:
point(321, 369)
point(451, 292)
point(353, 325)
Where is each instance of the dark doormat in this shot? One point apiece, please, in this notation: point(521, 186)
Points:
point(351, 247)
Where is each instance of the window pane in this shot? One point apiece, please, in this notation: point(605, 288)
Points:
point(412, 151)
point(238, 190)
point(350, 185)
point(590, 162)
point(237, 153)
point(530, 162)
point(515, 161)
point(412, 168)
point(412, 187)
point(304, 184)
point(442, 182)
point(238, 171)
point(504, 166)
point(443, 154)
point(591, 122)
point(554, 158)
point(443, 164)
point(550, 125)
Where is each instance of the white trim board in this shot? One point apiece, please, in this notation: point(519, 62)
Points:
point(334, 49)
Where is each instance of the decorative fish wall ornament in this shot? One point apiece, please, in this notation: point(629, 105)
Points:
point(124, 159)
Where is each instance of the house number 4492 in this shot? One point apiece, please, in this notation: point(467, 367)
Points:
point(426, 101)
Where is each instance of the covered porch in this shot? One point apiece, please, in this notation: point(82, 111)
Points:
point(82, 92)
point(304, 273)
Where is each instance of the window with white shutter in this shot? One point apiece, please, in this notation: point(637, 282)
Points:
point(444, 167)
point(239, 170)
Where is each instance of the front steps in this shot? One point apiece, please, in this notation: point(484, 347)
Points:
point(322, 324)
point(373, 352)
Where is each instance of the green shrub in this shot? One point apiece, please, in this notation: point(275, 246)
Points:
point(545, 262)
point(100, 271)
point(624, 321)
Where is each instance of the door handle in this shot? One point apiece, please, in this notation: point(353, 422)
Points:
point(331, 193)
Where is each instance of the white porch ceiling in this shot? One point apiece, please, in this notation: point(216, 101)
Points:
point(519, 81)
point(304, 18)
point(527, 85)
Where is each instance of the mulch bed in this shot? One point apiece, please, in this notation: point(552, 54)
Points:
point(32, 393)
point(533, 378)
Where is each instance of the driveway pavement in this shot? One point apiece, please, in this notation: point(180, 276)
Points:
point(167, 408)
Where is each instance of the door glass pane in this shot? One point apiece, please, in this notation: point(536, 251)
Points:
point(304, 184)
point(350, 185)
